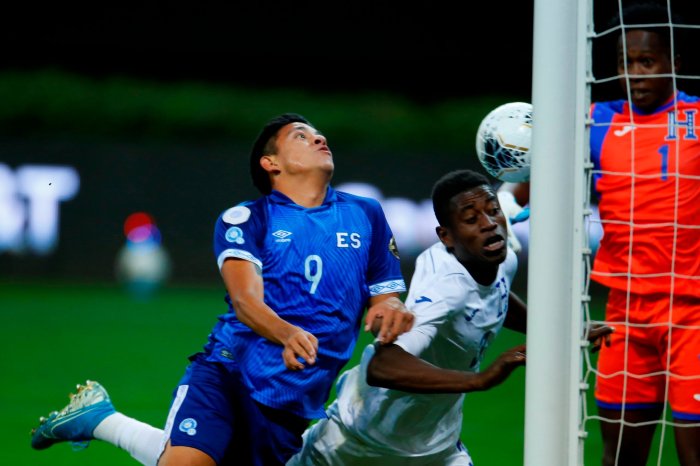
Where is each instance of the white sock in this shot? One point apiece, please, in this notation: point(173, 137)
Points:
point(142, 441)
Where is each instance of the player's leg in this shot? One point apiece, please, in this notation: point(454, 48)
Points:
point(687, 442)
point(633, 352)
point(185, 455)
point(321, 445)
point(214, 420)
point(142, 441)
point(684, 388)
point(200, 426)
point(459, 456)
point(635, 441)
point(277, 435)
point(91, 415)
point(329, 443)
point(76, 422)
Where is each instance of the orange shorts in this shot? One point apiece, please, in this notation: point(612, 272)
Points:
point(662, 345)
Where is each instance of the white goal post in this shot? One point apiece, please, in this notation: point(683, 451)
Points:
point(557, 243)
point(559, 363)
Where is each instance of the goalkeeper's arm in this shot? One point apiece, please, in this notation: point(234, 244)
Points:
point(512, 197)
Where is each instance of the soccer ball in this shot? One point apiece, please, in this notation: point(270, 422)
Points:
point(503, 142)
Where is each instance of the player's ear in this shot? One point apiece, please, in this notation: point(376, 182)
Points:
point(269, 163)
point(445, 236)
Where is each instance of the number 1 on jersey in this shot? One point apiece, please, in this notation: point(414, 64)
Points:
point(313, 272)
point(663, 150)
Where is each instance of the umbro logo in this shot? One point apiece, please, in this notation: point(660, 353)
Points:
point(625, 129)
point(282, 236)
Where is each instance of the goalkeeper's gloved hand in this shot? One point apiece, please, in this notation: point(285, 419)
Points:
point(514, 213)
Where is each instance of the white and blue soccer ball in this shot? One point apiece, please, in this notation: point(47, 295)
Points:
point(503, 142)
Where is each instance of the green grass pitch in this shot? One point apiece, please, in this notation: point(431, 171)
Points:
point(55, 335)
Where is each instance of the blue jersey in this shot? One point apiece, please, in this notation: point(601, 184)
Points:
point(320, 266)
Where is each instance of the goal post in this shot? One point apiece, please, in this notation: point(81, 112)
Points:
point(558, 241)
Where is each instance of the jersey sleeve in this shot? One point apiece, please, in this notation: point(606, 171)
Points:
point(432, 313)
point(384, 271)
point(238, 233)
point(602, 114)
point(432, 302)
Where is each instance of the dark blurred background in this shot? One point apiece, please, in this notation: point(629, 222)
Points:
point(424, 52)
point(154, 107)
point(111, 111)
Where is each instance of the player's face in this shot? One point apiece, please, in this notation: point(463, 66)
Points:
point(302, 148)
point(477, 233)
point(646, 55)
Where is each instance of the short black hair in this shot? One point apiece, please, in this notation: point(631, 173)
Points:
point(641, 14)
point(451, 184)
point(264, 145)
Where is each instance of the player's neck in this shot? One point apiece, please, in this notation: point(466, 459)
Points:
point(481, 274)
point(304, 191)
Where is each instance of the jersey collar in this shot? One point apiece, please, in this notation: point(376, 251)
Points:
point(279, 198)
point(665, 106)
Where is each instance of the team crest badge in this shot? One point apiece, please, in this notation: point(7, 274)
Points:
point(393, 248)
point(235, 235)
point(188, 426)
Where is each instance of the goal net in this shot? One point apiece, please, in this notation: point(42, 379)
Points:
point(625, 217)
point(643, 231)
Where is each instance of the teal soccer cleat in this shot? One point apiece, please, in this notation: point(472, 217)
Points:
point(76, 422)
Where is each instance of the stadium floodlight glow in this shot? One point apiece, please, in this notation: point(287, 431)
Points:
point(29, 205)
point(11, 211)
point(45, 186)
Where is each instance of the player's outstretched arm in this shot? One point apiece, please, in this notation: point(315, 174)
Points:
point(392, 367)
point(388, 317)
point(245, 288)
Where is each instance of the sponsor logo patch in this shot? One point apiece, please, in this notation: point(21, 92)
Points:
point(625, 129)
point(282, 236)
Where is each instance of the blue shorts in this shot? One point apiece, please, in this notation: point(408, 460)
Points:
point(213, 412)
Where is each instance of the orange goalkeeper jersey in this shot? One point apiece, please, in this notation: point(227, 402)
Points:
point(648, 180)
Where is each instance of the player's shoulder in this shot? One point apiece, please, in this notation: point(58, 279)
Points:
point(433, 255)
point(438, 277)
point(436, 261)
point(371, 208)
point(362, 201)
point(607, 108)
point(688, 99)
point(242, 212)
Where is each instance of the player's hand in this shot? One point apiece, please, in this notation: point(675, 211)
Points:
point(599, 335)
point(388, 319)
point(514, 212)
point(502, 367)
point(299, 344)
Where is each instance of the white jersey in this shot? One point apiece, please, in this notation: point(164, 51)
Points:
point(456, 319)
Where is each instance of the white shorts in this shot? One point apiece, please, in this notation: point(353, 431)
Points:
point(328, 444)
